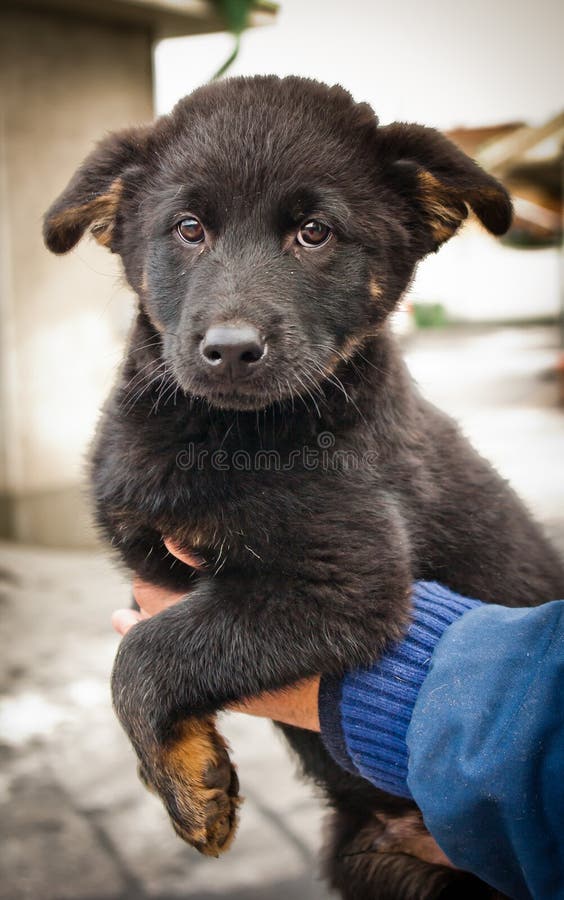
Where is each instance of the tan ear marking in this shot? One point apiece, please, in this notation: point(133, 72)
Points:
point(445, 211)
point(103, 210)
point(99, 213)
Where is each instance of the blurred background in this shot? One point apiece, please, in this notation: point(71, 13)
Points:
point(482, 328)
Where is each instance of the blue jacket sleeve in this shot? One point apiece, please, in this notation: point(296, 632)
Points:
point(474, 733)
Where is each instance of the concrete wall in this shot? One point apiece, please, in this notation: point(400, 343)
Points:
point(63, 83)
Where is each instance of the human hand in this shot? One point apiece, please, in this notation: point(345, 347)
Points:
point(293, 705)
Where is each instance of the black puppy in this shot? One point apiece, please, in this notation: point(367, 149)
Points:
point(264, 419)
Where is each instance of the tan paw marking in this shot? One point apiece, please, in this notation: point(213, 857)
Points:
point(194, 777)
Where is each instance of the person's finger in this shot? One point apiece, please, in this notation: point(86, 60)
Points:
point(124, 619)
point(185, 556)
point(153, 598)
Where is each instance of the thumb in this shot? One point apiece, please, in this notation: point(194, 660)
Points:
point(124, 619)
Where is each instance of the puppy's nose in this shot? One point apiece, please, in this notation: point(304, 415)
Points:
point(233, 350)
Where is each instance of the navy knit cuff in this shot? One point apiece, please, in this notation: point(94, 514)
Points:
point(330, 696)
point(364, 716)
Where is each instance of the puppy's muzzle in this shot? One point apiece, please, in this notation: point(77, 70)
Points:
point(233, 352)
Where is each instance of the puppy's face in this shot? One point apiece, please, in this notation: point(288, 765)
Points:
point(269, 227)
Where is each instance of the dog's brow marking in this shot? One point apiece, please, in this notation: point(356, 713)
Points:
point(375, 289)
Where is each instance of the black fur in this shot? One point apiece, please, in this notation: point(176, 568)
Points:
point(351, 485)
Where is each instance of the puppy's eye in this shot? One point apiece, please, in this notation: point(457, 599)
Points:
point(191, 230)
point(314, 233)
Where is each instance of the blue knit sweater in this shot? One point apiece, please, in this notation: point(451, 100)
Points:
point(466, 715)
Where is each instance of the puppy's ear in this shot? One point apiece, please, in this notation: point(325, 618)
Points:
point(93, 195)
point(442, 181)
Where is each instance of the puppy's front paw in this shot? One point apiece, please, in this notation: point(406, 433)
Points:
point(198, 784)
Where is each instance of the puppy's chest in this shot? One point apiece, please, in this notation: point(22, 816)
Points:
point(220, 492)
point(225, 516)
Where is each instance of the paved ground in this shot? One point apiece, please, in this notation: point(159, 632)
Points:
point(75, 823)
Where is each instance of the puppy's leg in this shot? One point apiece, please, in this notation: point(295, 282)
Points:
point(192, 773)
point(236, 638)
